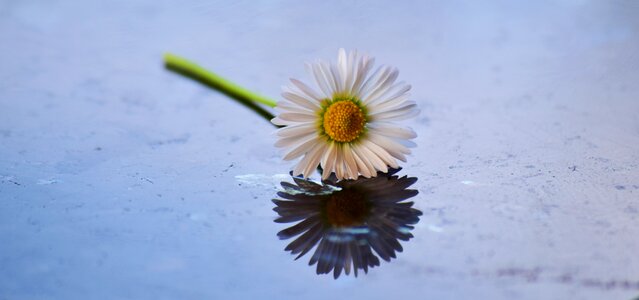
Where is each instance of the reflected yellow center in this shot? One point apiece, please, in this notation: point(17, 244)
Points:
point(344, 121)
point(347, 208)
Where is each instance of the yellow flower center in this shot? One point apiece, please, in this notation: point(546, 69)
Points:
point(344, 121)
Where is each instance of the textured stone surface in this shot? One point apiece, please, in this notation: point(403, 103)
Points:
point(120, 180)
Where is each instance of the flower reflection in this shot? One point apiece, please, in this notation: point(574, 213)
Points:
point(352, 222)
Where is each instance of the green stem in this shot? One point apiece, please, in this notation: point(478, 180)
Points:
point(192, 70)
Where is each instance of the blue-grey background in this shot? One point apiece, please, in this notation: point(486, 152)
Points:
point(121, 180)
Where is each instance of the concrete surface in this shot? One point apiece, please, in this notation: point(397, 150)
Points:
point(120, 180)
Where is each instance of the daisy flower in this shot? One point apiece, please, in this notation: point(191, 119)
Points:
point(350, 223)
point(346, 126)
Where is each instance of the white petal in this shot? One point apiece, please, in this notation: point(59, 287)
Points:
point(296, 130)
point(314, 161)
point(337, 78)
point(381, 87)
point(375, 80)
point(279, 122)
point(328, 76)
point(302, 101)
point(291, 142)
point(390, 130)
point(407, 143)
point(324, 160)
point(392, 95)
point(349, 160)
point(328, 160)
point(310, 161)
point(393, 148)
point(381, 153)
point(301, 149)
point(400, 89)
point(401, 113)
point(362, 155)
point(371, 81)
point(364, 67)
point(389, 104)
point(284, 105)
point(339, 163)
point(298, 117)
point(351, 69)
point(316, 72)
point(308, 91)
point(361, 166)
point(342, 66)
point(357, 79)
point(375, 160)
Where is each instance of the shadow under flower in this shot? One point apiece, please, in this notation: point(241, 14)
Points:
point(352, 222)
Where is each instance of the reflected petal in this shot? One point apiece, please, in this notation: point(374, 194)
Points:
point(350, 223)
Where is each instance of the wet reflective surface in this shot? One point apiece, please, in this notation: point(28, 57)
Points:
point(121, 180)
point(352, 222)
